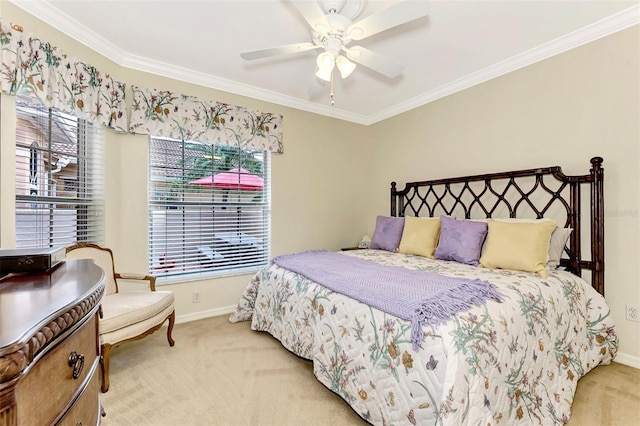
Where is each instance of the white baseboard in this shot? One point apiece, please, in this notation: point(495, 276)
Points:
point(621, 357)
point(225, 310)
point(626, 359)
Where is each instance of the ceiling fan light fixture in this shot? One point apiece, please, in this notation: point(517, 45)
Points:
point(326, 61)
point(324, 74)
point(345, 66)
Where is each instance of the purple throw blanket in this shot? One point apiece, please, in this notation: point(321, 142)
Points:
point(422, 297)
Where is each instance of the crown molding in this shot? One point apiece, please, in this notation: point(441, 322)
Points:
point(44, 11)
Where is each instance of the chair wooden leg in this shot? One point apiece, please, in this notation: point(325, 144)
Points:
point(104, 367)
point(172, 320)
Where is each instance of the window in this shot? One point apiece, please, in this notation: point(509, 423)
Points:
point(59, 178)
point(209, 208)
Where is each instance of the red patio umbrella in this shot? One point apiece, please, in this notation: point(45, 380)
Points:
point(239, 179)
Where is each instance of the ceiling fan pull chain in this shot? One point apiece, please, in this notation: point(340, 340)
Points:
point(333, 102)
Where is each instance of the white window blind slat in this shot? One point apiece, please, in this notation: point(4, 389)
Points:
point(202, 224)
point(59, 178)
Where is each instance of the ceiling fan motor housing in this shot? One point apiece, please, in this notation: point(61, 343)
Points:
point(332, 44)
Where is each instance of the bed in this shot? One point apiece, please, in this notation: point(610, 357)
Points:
point(515, 359)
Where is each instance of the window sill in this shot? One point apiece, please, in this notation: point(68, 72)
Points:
point(203, 276)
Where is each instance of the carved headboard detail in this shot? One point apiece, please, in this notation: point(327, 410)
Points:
point(534, 193)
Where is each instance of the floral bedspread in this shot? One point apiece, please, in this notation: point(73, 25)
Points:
point(515, 362)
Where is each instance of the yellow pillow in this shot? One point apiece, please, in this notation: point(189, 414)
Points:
point(518, 246)
point(420, 236)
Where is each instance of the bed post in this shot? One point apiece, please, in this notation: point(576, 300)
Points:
point(597, 223)
point(575, 222)
point(393, 199)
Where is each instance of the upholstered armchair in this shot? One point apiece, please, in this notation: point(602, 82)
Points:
point(126, 316)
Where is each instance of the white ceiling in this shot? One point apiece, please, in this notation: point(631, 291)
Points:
point(460, 43)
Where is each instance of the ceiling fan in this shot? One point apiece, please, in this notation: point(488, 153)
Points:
point(333, 29)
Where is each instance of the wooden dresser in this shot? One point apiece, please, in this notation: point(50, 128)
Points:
point(49, 346)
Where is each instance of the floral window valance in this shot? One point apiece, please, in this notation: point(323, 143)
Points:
point(34, 68)
point(162, 113)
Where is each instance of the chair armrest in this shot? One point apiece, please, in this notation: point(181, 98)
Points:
point(131, 276)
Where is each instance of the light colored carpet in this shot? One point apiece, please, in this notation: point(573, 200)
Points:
point(225, 374)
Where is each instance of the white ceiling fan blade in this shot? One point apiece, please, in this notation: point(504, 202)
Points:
point(383, 20)
point(313, 14)
point(280, 50)
point(378, 63)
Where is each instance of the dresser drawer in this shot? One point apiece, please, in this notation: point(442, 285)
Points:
point(86, 410)
point(49, 386)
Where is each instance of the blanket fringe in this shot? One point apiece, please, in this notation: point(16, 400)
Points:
point(434, 312)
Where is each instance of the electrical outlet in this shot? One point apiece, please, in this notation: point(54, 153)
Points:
point(632, 313)
point(196, 297)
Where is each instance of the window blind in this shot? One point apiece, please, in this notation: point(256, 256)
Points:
point(209, 208)
point(59, 178)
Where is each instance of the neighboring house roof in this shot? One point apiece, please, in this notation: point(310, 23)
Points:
point(63, 127)
point(167, 154)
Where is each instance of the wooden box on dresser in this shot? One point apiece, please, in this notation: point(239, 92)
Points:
point(49, 346)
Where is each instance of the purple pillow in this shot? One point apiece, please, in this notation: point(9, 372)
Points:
point(460, 240)
point(388, 233)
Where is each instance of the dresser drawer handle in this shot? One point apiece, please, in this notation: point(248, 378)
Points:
point(77, 362)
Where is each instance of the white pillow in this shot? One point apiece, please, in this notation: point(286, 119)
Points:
point(556, 246)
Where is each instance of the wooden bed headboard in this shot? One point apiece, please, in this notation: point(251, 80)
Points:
point(534, 193)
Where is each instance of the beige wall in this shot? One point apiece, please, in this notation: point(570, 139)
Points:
point(334, 176)
point(561, 111)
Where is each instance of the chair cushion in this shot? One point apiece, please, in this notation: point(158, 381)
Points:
point(137, 330)
point(120, 310)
